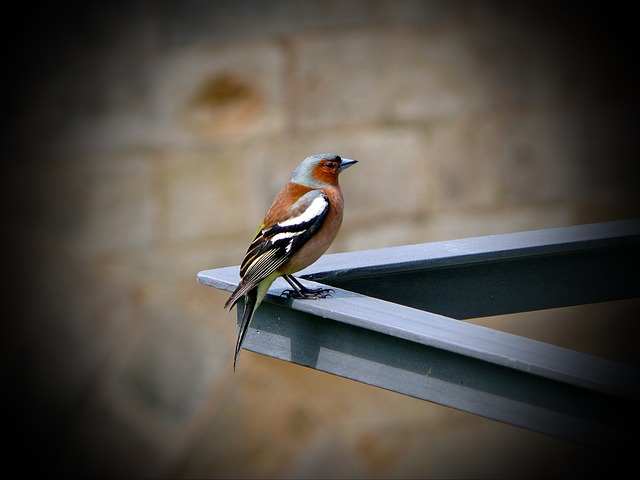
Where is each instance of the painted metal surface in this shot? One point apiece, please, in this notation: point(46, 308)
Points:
point(375, 331)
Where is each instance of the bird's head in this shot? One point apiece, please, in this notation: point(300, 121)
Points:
point(319, 171)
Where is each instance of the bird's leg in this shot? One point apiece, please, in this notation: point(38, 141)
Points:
point(300, 291)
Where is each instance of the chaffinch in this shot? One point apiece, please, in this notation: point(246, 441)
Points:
point(298, 228)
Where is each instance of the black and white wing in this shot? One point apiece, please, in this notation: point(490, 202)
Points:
point(273, 246)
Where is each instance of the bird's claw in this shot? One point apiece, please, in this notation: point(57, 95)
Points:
point(308, 294)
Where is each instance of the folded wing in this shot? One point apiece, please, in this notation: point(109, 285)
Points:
point(274, 245)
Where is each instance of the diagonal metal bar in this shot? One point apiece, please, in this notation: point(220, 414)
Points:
point(501, 376)
point(496, 274)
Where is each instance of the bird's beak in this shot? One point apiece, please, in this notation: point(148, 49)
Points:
point(346, 163)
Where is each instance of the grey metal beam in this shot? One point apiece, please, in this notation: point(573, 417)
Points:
point(501, 376)
point(497, 274)
point(465, 366)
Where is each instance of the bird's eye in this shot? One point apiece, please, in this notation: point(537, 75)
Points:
point(330, 164)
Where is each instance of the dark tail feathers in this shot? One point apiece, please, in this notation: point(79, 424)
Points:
point(250, 299)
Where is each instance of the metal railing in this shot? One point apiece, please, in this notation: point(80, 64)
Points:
point(394, 322)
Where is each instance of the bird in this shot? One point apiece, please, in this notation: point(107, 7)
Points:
point(297, 229)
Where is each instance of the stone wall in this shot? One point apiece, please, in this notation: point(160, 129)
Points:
point(145, 143)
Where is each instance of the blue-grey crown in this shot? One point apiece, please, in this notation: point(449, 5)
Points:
point(302, 174)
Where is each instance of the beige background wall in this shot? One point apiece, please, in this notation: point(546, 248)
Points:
point(146, 142)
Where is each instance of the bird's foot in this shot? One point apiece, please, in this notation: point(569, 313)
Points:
point(299, 291)
point(307, 293)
